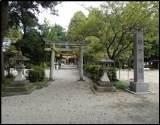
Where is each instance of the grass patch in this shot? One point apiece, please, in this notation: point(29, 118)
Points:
point(7, 81)
point(41, 84)
point(121, 85)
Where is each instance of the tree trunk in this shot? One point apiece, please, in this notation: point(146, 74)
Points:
point(4, 27)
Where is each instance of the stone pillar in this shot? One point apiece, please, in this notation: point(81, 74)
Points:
point(81, 63)
point(138, 85)
point(52, 62)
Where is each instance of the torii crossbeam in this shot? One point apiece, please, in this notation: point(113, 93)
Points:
point(52, 49)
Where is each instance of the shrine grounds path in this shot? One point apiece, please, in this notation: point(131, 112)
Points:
point(67, 100)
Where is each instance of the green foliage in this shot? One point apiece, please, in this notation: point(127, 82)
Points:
point(24, 13)
point(54, 33)
point(111, 71)
point(121, 85)
point(93, 50)
point(41, 84)
point(37, 74)
point(8, 80)
point(113, 26)
point(14, 34)
point(95, 71)
point(10, 76)
point(75, 30)
point(32, 46)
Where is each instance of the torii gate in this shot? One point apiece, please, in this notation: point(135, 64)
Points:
point(52, 49)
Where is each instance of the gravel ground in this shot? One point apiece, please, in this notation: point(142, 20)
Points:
point(68, 101)
point(150, 76)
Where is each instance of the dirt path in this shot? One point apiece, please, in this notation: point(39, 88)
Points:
point(67, 100)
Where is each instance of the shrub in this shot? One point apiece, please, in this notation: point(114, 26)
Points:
point(111, 71)
point(96, 72)
point(121, 85)
point(10, 76)
point(37, 74)
point(7, 81)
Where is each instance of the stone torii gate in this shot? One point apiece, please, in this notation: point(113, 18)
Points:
point(52, 49)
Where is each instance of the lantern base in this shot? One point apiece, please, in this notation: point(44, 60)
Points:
point(104, 83)
point(18, 88)
point(108, 87)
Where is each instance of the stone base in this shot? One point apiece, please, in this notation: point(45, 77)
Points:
point(18, 88)
point(81, 80)
point(139, 87)
point(139, 93)
point(107, 88)
point(51, 80)
point(104, 84)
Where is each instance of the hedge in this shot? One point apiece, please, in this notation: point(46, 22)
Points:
point(37, 74)
point(96, 72)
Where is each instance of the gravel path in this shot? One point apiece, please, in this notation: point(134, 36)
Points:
point(150, 76)
point(67, 100)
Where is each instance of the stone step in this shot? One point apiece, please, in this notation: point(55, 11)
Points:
point(12, 93)
point(17, 89)
point(104, 88)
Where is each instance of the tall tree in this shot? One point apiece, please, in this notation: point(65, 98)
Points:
point(75, 27)
point(115, 24)
point(54, 32)
point(22, 12)
point(33, 50)
point(4, 25)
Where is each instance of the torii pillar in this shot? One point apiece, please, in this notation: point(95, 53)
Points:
point(81, 64)
point(52, 62)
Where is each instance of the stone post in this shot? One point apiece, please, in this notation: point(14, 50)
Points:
point(138, 85)
point(52, 62)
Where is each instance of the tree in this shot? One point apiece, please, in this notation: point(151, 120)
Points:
point(74, 32)
point(14, 34)
point(93, 51)
point(32, 46)
point(115, 24)
point(23, 13)
point(28, 10)
point(4, 21)
point(54, 33)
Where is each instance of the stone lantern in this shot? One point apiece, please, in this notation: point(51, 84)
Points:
point(104, 83)
point(20, 85)
point(20, 66)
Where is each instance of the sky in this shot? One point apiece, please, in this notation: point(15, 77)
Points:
point(66, 11)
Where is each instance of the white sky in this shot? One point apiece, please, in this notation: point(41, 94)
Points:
point(66, 11)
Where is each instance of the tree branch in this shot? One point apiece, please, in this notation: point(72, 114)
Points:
point(113, 40)
point(123, 49)
point(119, 42)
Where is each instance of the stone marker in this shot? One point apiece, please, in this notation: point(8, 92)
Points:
point(138, 84)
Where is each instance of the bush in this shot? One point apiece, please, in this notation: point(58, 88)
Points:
point(96, 72)
point(111, 71)
point(37, 74)
point(8, 81)
point(121, 85)
point(10, 76)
